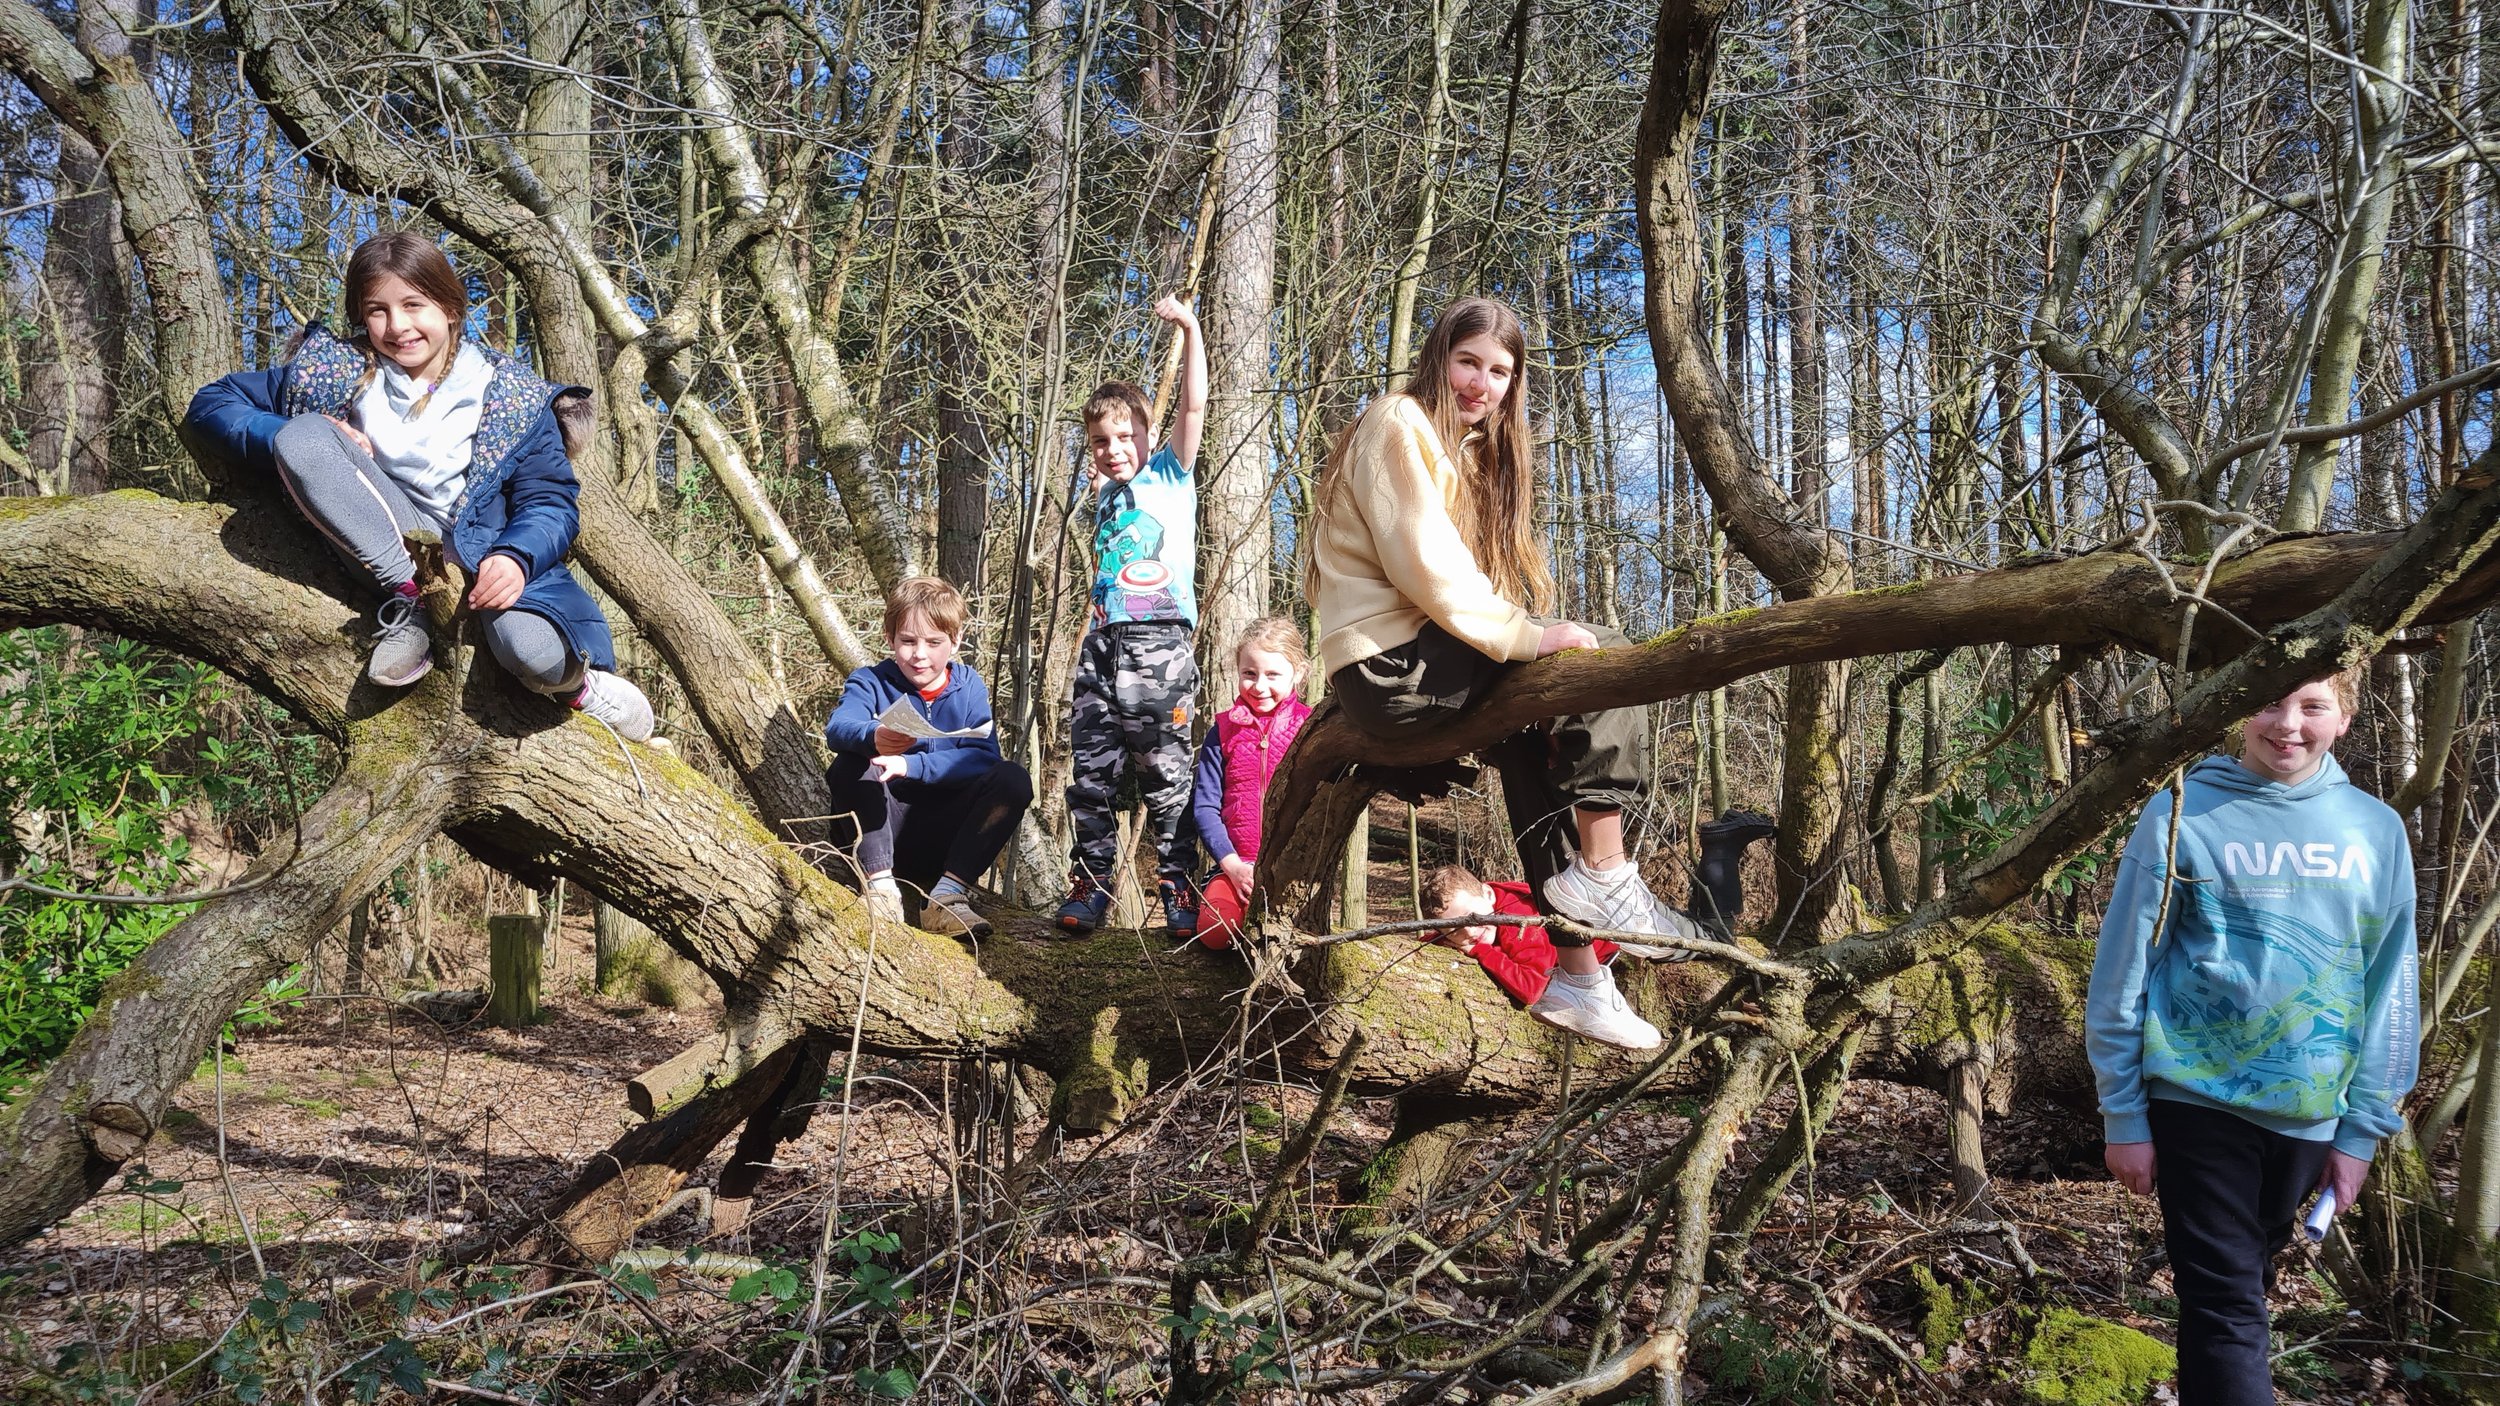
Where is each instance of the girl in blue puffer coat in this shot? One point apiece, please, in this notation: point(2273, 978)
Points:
point(410, 429)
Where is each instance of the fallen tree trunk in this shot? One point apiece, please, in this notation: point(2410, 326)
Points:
point(96, 1106)
point(516, 779)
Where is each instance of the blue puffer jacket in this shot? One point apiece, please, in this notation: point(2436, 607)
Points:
point(521, 490)
point(938, 761)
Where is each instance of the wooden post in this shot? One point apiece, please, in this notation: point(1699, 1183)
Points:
point(516, 945)
point(422, 941)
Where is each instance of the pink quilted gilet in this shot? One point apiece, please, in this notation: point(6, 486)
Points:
point(1253, 747)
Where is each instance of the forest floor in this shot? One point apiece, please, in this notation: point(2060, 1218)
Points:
point(359, 1139)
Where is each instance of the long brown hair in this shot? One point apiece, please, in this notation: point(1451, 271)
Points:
point(421, 263)
point(1496, 508)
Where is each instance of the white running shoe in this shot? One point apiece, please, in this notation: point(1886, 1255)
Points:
point(613, 699)
point(1620, 903)
point(1596, 1011)
point(885, 901)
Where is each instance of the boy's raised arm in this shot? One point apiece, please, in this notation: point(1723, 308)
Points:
point(1191, 421)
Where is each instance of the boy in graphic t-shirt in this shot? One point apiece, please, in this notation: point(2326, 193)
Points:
point(1137, 672)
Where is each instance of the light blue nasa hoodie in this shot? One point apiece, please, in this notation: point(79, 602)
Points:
point(2283, 988)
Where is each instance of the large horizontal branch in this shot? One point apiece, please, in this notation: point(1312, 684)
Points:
point(2430, 571)
point(517, 776)
point(252, 593)
point(2107, 597)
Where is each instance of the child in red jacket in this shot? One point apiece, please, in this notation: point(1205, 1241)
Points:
point(1518, 956)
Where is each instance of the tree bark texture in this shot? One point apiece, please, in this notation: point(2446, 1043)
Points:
point(1792, 548)
point(1233, 465)
point(99, 92)
point(69, 402)
point(545, 794)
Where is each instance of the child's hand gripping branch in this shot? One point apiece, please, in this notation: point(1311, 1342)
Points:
point(1190, 418)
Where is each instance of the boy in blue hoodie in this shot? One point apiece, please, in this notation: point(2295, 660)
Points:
point(2252, 1045)
point(930, 811)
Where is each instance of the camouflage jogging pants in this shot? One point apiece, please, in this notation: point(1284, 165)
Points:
point(1136, 685)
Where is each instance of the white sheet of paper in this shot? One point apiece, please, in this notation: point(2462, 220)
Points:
point(900, 716)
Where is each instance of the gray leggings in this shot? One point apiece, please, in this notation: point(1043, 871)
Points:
point(367, 517)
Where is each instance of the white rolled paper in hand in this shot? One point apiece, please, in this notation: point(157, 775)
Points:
point(2320, 1216)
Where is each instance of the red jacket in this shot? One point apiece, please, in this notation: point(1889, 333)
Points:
point(1521, 959)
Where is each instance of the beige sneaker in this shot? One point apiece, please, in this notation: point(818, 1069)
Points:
point(953, 915)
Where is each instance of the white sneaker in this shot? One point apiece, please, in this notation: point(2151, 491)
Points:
point(885, 901)
point(1595, 1011)
point(1621, 903)
point(613, 699)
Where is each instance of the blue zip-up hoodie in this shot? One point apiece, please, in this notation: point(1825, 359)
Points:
point(2283, 987)
point(938, 761)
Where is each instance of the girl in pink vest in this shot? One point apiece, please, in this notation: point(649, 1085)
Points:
point(1240, 753)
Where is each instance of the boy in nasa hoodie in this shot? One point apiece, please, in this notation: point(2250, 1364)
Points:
point(2253, 1047)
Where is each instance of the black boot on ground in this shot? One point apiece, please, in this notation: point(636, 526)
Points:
point(1720, 897)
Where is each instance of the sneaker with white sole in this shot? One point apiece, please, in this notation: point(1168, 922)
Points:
point(886, 903)
point(613, 699)
point(1596, 1011)
point(401, 652)
point(1621, 904)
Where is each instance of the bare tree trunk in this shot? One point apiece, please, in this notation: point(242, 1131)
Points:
point(1410, 276)
point(964, 447)
point(555, 135)
point(2474, 1254)
point(1235, 485)
point(843, 438)
point(1809, 435)
point(1797, 555)
point(71, 389)
point(2375, 170)
point(95, 89)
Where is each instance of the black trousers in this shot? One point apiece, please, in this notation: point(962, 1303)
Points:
point(1598, 760)
point(922, 831)
point(2230, 1192)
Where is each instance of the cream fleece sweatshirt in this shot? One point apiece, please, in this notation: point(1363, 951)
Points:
point(1388, 555)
